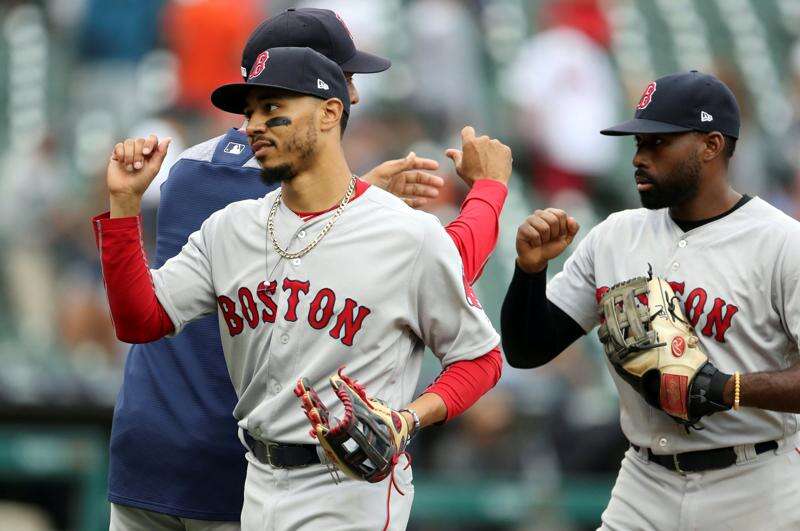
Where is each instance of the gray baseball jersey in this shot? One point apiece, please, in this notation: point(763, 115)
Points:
point(738, 278)
point(382, 284)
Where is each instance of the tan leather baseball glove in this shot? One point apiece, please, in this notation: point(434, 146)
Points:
point(652, 346)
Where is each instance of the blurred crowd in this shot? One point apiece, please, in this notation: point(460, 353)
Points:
point(542, 75)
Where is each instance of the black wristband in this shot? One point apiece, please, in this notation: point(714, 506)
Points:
point(716, 389)
point(707, 391)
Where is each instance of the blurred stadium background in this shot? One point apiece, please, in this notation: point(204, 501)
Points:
point(540, 452)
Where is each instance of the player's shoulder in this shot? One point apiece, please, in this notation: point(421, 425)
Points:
point(768, 220)
point(763, 213)
point(202, 152)
point(236, 152)
point(633, 218)
point(415, 223)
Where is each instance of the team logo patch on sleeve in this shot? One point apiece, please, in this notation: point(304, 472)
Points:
point(472, 299)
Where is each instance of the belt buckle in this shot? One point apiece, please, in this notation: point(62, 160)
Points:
point(677, 465)
point(270, 445)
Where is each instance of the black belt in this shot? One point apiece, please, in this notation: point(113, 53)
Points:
point(703, 459)
point(281, 455)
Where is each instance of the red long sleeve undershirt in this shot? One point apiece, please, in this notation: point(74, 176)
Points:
point(477, 227)
point(138, 316)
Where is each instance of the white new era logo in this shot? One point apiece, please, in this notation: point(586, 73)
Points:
point(322, 85)
point(705, 117)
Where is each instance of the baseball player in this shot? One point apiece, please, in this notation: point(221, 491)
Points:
point(727, 266)
point(323, 272)
point(173, 426)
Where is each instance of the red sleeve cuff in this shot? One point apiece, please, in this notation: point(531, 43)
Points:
point(462, 383)
point(105, 223)
point(493, 192)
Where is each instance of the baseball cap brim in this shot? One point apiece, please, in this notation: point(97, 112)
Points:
point(365, 63)
point(641, 126)
point(233, 96)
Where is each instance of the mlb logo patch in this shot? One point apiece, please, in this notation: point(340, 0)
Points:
point(234, 148)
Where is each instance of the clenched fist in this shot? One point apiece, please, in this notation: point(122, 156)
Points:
point(543, 236)
point(481, 158)
point(133, 165)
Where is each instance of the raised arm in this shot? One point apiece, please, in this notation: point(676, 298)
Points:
point(485, 165)
point(137, 315)
point(535, 330)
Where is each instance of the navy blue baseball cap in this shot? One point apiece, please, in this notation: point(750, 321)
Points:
point(683, 102)
point(300, 70)
point(320, 29)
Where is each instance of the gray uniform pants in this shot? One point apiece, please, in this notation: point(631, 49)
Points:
point(125, 518)
point(757, 493)
point(307, 499)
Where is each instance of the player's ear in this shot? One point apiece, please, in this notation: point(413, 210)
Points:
point(330, 113)
point(712, 147)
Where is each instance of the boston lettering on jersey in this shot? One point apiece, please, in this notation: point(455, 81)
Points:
point(718, 316)
point(247, 311)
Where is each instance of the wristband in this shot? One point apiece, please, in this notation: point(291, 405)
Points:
point(415, 427)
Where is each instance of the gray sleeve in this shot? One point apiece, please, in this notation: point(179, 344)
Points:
point(573, 289)
point(184, 285)
point(787, 287)
point(445, 313)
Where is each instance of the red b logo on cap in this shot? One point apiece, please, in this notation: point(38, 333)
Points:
point(259, 65)
point(647, 96)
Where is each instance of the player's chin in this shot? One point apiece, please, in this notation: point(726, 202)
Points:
point(652, 200)
point(265, 153)
point(273, 173)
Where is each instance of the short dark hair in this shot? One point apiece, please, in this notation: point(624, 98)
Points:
point(730, 146)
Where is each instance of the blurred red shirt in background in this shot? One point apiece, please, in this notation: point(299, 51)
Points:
point(207, 37)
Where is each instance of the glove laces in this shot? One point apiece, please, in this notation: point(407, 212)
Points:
point(393, 484)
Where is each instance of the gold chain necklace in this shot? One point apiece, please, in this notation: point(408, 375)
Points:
point(271, 223)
